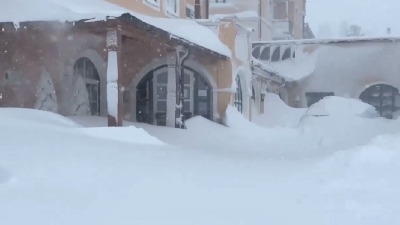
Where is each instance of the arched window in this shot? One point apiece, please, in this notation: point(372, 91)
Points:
point(238, 95)
point(86, 69)
point(256, 52)
point(382, 97)
point(265, 54)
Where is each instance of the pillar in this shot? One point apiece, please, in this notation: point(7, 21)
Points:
point(113, 72)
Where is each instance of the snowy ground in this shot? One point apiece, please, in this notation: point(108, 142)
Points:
point(327, 167)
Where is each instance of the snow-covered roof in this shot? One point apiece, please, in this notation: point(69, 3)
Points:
point(292, 69)
point(335, 40)
point(94, 10)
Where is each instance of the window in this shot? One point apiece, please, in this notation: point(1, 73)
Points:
point(265, 54)
point(172, 7)
point(256, 52)
point(276, 56)
point(190, 12)
point(313, 97)
point(86, 69)
point(383, 98)
point(286, 53)
point(152, 3)
point(253, 93)
point(238, 102)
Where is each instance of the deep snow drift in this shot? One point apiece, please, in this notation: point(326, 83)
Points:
point(325, 170)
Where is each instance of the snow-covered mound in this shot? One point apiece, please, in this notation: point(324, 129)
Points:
point(362, 182)
point(208, 174)
point(24, 116)
point(277, 113)
point(235, 119)
point(124, 134)
point(339, 106)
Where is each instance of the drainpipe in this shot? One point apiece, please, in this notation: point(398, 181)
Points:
point(260, 19)
point(207, 9)
point(197, 9)
point(181, 54)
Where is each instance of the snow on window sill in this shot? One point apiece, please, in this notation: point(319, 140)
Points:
point(152, 4)
point(171, 13)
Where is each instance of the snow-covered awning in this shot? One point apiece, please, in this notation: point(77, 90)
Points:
point(289, 61)
point(189, 31)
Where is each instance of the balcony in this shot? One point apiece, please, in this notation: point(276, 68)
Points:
point(282, 29)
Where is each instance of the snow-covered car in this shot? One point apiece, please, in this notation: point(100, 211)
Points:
point(341, 107)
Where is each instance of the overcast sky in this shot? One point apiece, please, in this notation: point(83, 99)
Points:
point(327, 17)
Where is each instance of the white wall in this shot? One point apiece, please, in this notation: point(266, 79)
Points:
point(347, 69)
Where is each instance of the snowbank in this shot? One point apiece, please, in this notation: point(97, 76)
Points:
point(123, 134)
point(361, 182)
point(35, 117)
point(209, 174)
point(339, 106)
point(235, 119)
point(277, 113)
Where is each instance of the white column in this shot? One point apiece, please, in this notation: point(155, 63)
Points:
point(171, 94)
point(114, 116)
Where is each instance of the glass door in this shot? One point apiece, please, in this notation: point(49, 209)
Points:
point(160, 97)
point(188, 94)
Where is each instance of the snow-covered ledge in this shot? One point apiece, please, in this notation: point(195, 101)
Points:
point(114, 116)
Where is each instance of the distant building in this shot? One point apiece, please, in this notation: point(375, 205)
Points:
point(360, 68)
point(288, 19)
point(308, 33)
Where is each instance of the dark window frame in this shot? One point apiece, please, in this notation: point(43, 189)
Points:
point(90, 75)
point(238, 101)
point(314, 97)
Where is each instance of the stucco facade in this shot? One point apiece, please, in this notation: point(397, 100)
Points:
point(172, 8)
point(255, 14)
point(288, 19)
point(41, 63)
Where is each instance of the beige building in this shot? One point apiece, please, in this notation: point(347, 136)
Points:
point(237, 23)
point(192, 9)
point(119, 65)
point(255, 14)
point(288, 19)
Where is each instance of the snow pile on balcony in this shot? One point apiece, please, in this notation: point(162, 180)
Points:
point(293, 69)
point(18, 11)
point(249, 14)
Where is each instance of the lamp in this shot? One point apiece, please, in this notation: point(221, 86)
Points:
point(262, 97)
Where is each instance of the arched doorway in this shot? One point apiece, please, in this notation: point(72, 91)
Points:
point(153, 102)
point(238, 101)
point(382, 97)
point(86, 69)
